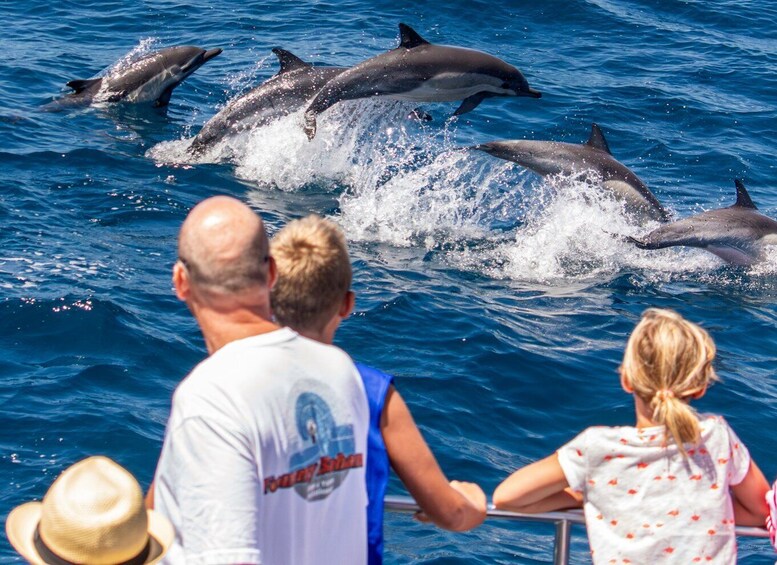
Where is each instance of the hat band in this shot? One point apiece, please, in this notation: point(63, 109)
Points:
point(52, 558)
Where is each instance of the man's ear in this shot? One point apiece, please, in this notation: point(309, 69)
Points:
point(348, 304)
point(272, 272)
point(181, 281)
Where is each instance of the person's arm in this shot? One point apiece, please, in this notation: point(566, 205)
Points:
point(456, 506)
point(539, 487)
point(207, 471)
point(749, 498)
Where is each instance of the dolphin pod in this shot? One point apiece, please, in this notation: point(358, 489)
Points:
point(553, 157)
point(737, 234)
point(149, 79)
point(422, 72)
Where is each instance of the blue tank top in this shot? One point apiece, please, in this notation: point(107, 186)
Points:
point(376, 385)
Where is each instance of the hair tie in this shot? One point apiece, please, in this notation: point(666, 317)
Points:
point(664, 394)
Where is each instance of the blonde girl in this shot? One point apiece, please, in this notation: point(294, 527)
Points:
point(672, 487)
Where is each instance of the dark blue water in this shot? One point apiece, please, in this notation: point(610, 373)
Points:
point(500, 301)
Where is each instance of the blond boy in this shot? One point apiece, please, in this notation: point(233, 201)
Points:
point(312, 296)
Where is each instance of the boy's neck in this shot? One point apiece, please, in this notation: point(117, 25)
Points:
point(322, 336)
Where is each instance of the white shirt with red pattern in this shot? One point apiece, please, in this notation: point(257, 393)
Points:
point(645, 503)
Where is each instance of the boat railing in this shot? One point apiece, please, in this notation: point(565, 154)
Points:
point(562, 520)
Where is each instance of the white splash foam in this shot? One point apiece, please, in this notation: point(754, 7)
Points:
point(408, 184)
point(580, 233)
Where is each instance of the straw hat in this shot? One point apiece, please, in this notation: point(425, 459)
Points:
point(93, 514)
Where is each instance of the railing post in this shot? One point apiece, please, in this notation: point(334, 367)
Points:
point(561, 545)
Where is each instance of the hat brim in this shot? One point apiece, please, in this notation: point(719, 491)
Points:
point(20, 529)
point(23, 521)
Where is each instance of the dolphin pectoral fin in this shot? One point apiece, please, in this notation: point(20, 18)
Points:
point(419, 116)
point(409, 38)
point(164, 98)
point(597, 141)
point(81, 85)
point(117, 97)
point(310, 125)
point(288, 60)
point(470, 103)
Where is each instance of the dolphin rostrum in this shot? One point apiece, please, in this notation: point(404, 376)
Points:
point(284, 93)
point(149, 79)
point(736, 234)
point(422, 72)
point(555, 157)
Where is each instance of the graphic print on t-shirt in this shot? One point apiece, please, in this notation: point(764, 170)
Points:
point(321, 443)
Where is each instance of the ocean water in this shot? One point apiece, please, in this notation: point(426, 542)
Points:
point(501, 301)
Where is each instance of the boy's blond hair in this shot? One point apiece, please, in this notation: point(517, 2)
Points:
point(314, 273)
point(668, 362)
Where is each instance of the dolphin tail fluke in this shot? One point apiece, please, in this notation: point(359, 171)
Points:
point(81, 85)
point(409, 38)
point(470, 103)
point(743, 198)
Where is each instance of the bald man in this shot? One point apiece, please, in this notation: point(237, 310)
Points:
point(264, 453)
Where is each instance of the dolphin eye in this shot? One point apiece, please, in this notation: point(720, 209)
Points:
point(506, 85)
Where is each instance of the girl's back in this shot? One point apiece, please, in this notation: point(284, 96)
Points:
point(645, 503)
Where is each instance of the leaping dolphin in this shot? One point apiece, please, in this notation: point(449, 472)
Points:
point(151, 78)
point(295, 83)
point(736, 234)
point(422, 72)
point(554, 157)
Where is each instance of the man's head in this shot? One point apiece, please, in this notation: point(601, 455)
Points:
point(314, 275)
point(223, 254)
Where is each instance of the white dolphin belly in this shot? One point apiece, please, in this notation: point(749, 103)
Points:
point(447, 87)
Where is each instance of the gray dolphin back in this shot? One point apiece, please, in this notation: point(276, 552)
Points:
point(287, 91)
point(148, 79)
point(554, 157)
point(419, 71)
point(737, 233)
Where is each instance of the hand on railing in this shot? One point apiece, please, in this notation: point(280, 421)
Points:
point(472, 509)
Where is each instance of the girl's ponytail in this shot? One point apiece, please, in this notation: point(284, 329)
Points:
point(668, 361)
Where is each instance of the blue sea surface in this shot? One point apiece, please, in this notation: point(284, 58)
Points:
point(501, 301)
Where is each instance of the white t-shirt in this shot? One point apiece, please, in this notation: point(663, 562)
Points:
point(264, 456)
point(645, 503)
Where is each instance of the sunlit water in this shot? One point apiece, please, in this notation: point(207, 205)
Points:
point(501, 300)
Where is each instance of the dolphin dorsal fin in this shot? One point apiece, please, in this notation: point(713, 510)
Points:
point(409, 38)
point(743, 198)
point(597, 139)
point(81, 85)
point(288, 60)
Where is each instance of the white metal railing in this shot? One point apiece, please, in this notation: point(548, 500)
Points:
point(563, 521)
